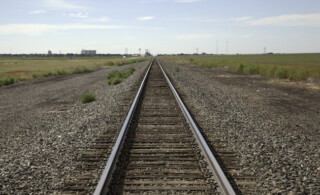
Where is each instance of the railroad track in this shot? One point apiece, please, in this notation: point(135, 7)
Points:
point(160, 149)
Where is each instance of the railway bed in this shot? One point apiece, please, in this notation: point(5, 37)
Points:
point(157, 152)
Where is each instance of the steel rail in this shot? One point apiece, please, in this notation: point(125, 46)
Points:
point(102, 187)
point(222, 180)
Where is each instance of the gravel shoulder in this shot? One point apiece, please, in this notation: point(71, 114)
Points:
point(44, 126)
point(273, 126)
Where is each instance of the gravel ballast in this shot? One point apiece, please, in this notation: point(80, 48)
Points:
point(273, 127)
point(44, 126)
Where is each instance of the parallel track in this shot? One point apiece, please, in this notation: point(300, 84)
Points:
point(159, 149)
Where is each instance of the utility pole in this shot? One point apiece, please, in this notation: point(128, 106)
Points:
point(265, 50)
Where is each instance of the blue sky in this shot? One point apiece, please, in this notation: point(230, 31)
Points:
point(163, 26)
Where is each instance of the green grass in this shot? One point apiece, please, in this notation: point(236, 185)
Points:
point(176, 68)
point(87, 98)
point(116, 77)
point(7, 81)
point(295, 67)
point(16, 69)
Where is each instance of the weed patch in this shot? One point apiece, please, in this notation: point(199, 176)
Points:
point(116, 77)
point(176, 68)
point(47, 74)
point(281, 73)
point(87, 98)
point(240, 68)
point(7, 81)
point(61, 72)
point(79, 70)
point(36, 75)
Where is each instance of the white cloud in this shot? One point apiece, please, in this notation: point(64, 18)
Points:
point(195, 36)
point(102, 19)
point(62, 4)
point(79, 15)
point(288, 20)
point(145, 18)
point(241, 19)
point(213, 20)
point(152, 1)
point(186, 1)
point(38, 29)
point(38, 12)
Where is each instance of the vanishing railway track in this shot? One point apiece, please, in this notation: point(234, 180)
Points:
point(159, 149)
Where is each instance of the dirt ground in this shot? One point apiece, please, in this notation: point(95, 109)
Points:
point(273, 125)
point(44, 127)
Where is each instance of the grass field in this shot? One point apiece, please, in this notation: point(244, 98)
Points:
point(294, 67)
point(15, 69)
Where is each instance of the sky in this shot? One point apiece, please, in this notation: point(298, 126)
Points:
point(162, 26)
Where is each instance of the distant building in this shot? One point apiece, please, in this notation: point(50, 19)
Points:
point(88, 52)
point(147, 53)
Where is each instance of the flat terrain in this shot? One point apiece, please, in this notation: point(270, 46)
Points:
point(284, 66)
point(304, 60)
point(15, 69)
point(44, 127)
point(272, 125)
point(19, 66)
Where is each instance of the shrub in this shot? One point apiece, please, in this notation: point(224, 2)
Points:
point(7, 81)
point(114, 73)
point(282, 73)
point(210, 64)
point(110, 63)
point(272, 71)
point(87, 97)
point(120, 63)
point(79, 70)
point(252, 69)
point(36, 75)
point(129, 72)
point(47, 74)
point(61, 72)
point(240, 68)
point(176, 68)
point(116, 77)
point(301, 74)
point(114, 80)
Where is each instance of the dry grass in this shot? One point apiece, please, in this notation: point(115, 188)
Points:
point(16, 69)
point(294, 67)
